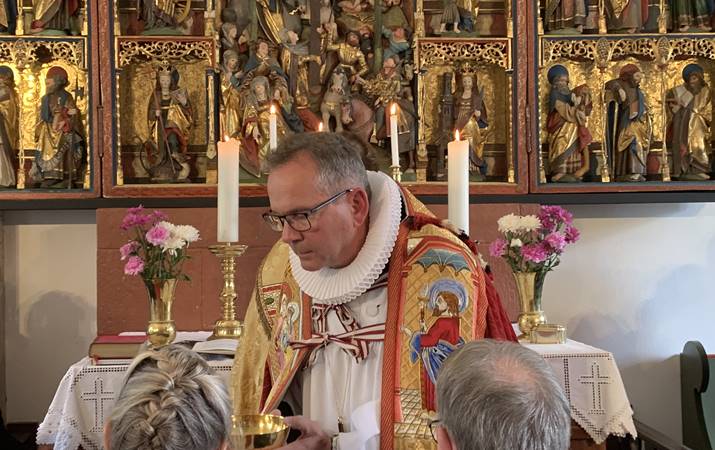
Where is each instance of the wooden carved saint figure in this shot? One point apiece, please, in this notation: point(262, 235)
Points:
point(432, 345)
point(565, 15)
point(8, 16)
point(59, 133)
point(691, 15)
point(166, 17)
point(629, 129)
point(171, 117)
point(627, 15)
point(568, 137)
point(230, 100)
point(689, 128)
point(470, 117)
point(9, 143)
point(55, 16)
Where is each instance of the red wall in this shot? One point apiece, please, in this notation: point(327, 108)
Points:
point(122, 300)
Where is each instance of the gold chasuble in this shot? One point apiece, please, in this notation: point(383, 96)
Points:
point(437, 297)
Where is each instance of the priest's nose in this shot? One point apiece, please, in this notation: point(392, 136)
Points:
point(289, 235)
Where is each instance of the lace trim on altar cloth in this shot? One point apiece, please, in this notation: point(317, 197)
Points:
point(336, 286)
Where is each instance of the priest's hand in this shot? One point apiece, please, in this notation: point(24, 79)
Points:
point(312, 437)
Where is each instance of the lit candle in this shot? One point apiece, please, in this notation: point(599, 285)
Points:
point(458, 182)
point(227, 202)
point(273, 128)
point(394, 144)
point(320, 127)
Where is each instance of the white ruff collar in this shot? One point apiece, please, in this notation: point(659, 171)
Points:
point(336, 286)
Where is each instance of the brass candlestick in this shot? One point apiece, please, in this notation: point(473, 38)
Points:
point(228, 327)
point(396, 173)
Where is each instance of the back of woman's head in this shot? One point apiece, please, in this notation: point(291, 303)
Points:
point(172, 400)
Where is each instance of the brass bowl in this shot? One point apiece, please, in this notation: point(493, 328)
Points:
point(263, 431)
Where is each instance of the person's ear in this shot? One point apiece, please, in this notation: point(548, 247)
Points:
point(106, 436)
point(360, 206)
point(444, 441)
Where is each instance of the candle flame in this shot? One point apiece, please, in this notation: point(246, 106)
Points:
point(456, 135)
point(320, 126)
point(225, 138)
point(393, 109)
point(273, 109)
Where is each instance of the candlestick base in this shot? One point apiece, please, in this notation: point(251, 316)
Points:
point(396, 173)
point(228, 327)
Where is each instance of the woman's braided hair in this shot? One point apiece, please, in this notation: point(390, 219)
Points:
point(172, 400)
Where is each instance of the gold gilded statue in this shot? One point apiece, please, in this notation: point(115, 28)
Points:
point(171, 117)
point(8, 126)
point(230, 99)
point(689, 128)
point(629, 129)
point(350, 58)
point(256, 120)
point(166, 17)
point(59, 133)
point(470, 117)
point(568, 136)
point(295, 60)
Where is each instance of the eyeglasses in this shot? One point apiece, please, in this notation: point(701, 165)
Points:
point(299, 221)
point(433, 425)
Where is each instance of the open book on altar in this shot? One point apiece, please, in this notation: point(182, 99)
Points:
point(217, 347)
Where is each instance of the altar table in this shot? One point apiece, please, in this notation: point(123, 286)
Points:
point(589, 376)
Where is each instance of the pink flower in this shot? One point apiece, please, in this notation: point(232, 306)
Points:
point(134, 266)
point(127, 249)
point(553, 216)
point(498, 248)
point(158, 235)
point(536, 253)
point(158, 216)
point(136, 210)
point(135, 220)
point(572, 234)
point(556, 241)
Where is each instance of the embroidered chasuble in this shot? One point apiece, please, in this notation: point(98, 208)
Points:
point(358, 349)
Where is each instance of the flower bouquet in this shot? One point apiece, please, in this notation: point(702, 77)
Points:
point(532, 246)
point(157, 254)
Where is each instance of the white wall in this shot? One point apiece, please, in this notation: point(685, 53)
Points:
point(50, 303)
point(638, 284)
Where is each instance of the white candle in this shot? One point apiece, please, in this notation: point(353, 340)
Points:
point(458, 182)
point(320, 127)
point(227, 201)
point(394, 143)
point(273, 128)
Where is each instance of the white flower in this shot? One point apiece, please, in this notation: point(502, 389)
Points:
point(529, 223)
point(508, 223)
point(168, 226)
point(516, 243)
point(187, 233)
point(173, 244)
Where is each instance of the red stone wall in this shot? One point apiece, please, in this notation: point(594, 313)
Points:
point(122, 300)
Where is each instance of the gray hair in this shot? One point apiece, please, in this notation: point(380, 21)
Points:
point(171, 400)
point(337, 157)
point(494, 394)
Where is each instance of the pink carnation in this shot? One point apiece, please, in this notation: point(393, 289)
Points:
point(553, 216)
point(127, 249)
point(572, 234)
point(498, 248)
point(556, 241)
point(536, 253)
point(158, 235)
point(134, 266)
point(135, 220)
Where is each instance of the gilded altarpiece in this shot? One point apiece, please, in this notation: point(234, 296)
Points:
point(626, 113)
point(164, 138)
point(445, 64)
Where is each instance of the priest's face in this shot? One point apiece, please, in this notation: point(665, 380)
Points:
point(336, 231)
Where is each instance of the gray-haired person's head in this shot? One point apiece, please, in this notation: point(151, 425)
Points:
point(171, 400)
point(337, 156)
point(494, 395)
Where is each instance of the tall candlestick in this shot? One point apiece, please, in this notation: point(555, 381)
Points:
point(458, 182)
point(273, 128)
point(394, 143)
point(227, 201)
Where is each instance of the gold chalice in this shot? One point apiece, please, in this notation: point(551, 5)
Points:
point(263, 431)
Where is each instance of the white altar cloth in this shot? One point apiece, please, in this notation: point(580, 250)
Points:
point(593, 386)
point(85, 397)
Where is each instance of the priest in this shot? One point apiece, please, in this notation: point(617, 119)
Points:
point(343, 329)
